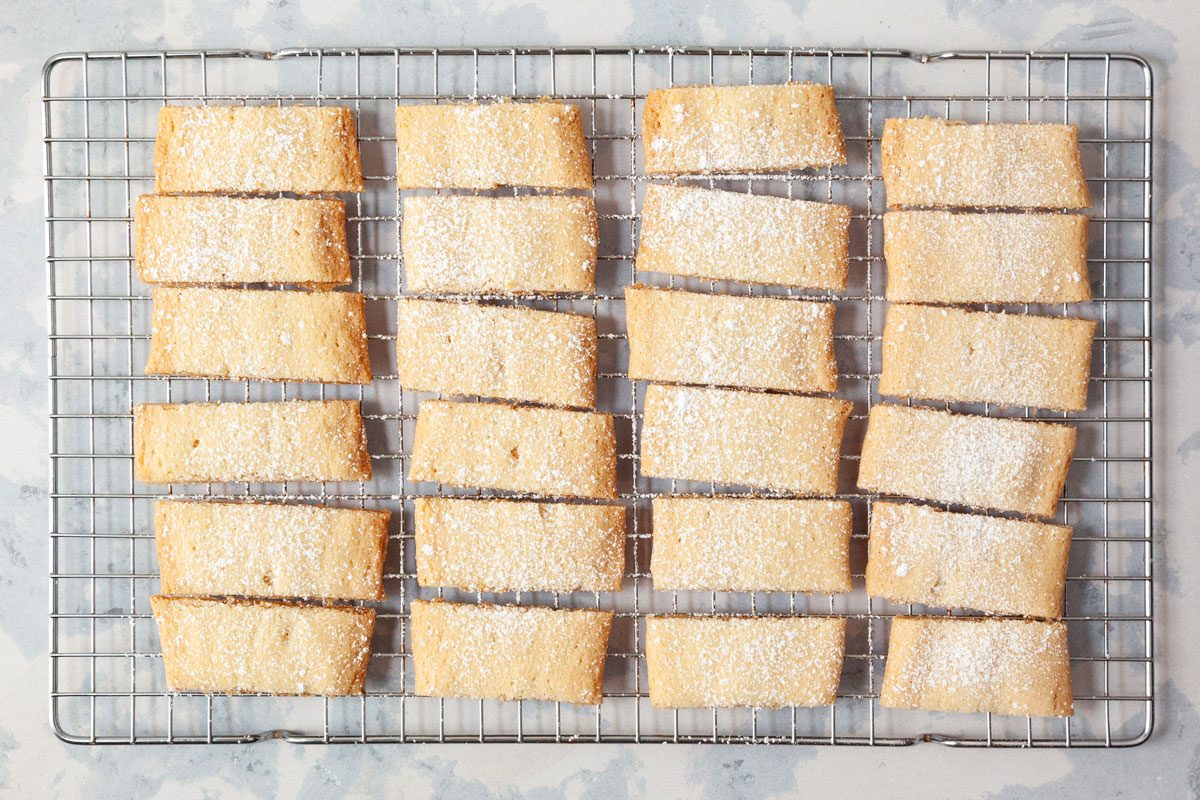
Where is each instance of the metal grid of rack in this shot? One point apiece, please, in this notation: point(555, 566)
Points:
point(106, 681)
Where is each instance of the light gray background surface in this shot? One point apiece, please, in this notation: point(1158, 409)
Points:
point(34, 764)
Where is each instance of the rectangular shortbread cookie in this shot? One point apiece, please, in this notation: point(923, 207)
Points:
point(514, 546)
point(499, 245)
point(509, 652)
point(719, 235)
point(984, 462)
point(296, 440)
point(751, 544)
point(947, 257)
point(940, 353)
point(249, 646)
point(770, 441)
point(492, 351)
point(767, 662)
point(214, 240)
point(937, 162)
point(544, 451)
point(765, 128)
point(973, 664)
point(263, 334)
point(917, 554)
point(487, 145)
point(257, 149)
point(270, 550)
point(727, 340)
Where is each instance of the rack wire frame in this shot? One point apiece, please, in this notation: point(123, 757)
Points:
point(106, 683)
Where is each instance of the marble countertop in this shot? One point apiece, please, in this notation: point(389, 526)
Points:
point(35, 764)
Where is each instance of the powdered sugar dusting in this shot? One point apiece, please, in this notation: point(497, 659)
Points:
point(246, 333)
point(782, 442)
point(985, 462)
point(195, 239)
point(487, 145)
point(751, 544)
point(737, 128)
point(505, 545)
point(976, 664)
point(491, 351)
point(709, 233)
point(515, 245)
point(270, 550)
point(541, 451)
point(937, 162)
point(944, 257)
point(1002, 566)
point(767, 661)
point(509, 652)
point(301, 149)
point(292, 440)
point(1008, 359)
point(242, 646)
point(725, 340)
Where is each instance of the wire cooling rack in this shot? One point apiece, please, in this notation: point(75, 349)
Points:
point(106, 676)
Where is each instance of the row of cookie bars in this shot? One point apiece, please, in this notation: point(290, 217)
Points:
point(917, 554)
point(728, 399)
point(231, 573)
point(505, 246)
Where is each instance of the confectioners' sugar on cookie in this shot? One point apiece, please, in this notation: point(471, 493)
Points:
point(765, 128)
point(751, 544)
point(945, 257)
point(728, 340)
point(296, 440)
point(784, 443)
point(249, 646)
point(939, 353)
point(984, 462)
point(974, 664)
point(182, 239)
point(509, 545)
point(270, 550)
point(509, 652)
point(724, 661)
point(938, 162)
point(508, 353)
point(720, 235)
point(257, 149)
point(918, 554)
point(540, 451)
point(487, 145)
point(499, 245)
point(259, 334)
